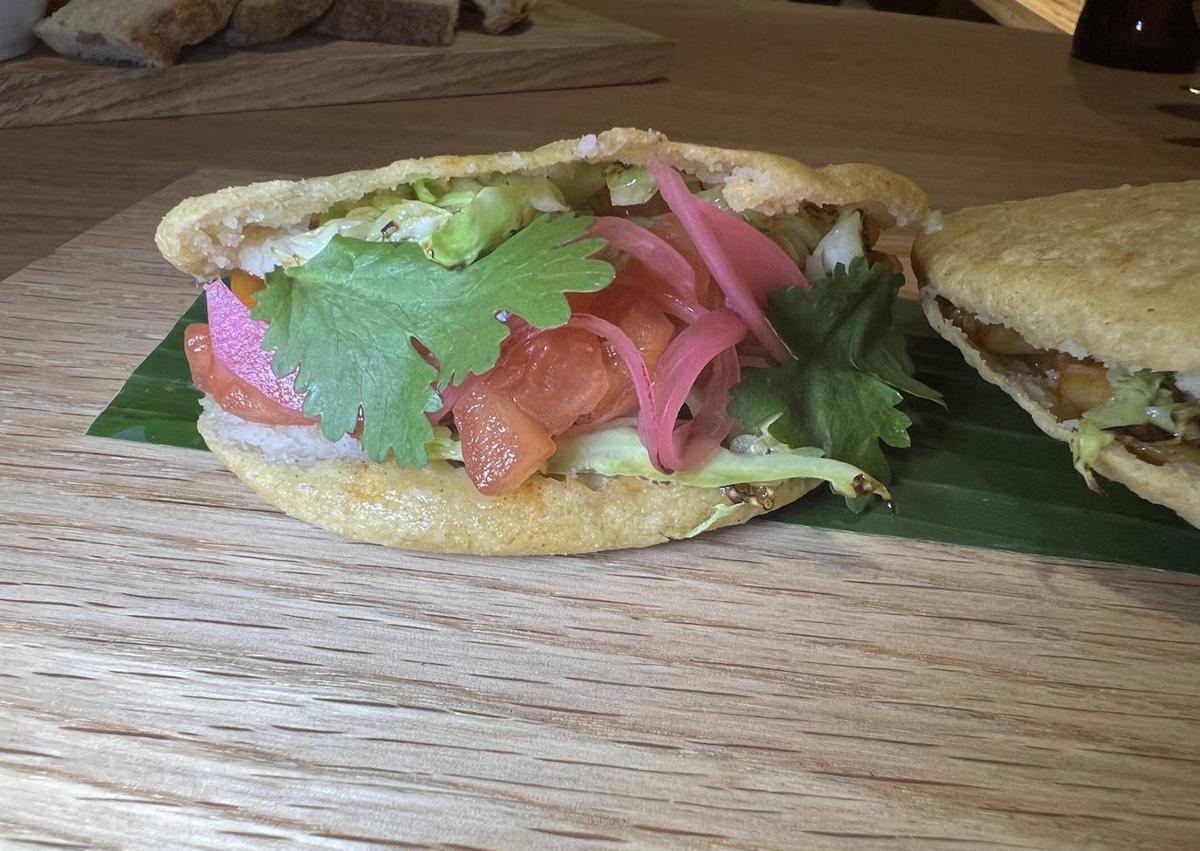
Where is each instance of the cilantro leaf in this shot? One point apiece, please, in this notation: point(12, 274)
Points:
point(349, 316)
point(841, 391)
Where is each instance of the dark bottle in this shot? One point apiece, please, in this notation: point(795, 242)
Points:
point(1145, 35)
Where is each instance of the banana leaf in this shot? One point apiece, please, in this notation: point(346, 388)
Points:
point(978, 473)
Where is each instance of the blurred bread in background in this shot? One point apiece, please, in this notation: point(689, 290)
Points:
point(154, 32)
point(262, 21)
point(499, 15)
point(391, 21)
point(146, 32)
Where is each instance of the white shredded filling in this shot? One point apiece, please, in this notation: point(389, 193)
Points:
point(586, 146)
point(1189, 383)
point(1073, 350)
point(300, 445)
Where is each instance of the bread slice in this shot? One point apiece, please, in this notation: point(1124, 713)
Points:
point(262, 21)
point(499, 15)
point(391, 21)
point(146, 32)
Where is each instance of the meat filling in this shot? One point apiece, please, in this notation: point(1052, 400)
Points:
point(1072, 386)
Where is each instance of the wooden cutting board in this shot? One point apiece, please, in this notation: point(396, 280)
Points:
point(561, 47)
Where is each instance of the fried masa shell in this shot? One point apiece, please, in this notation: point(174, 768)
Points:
point(1112, 272)
point(437, 508)
point(1174, 485)
point(200, 236)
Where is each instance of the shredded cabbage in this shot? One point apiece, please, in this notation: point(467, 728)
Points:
point(619, 452)
point(1138, 398)
point(492, 214)
point(797, 234)
point(454, 220)
point(444, 446)
point(581, 184)
point(631, 185)
point(843, 243)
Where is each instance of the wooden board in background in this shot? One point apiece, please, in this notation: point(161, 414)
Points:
point(184, 667)
point(1045, 15)
point(562, 47)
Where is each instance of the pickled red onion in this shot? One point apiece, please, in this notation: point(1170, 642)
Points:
point(745, 262)
point(237, 342)
point(658, 257)
point(702, 342)
point(711, 338)
point(654, 252)
point(639, 375)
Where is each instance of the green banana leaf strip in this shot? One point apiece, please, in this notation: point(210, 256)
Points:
point(158, 404)
point(978, 473)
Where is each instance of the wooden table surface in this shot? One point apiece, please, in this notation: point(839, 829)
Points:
point(182, 667)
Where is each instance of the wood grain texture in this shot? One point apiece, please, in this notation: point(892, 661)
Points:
point(562, 47)
point(184, 667)
point(1042, 15)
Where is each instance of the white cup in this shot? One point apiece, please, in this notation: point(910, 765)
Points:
point(17, 18)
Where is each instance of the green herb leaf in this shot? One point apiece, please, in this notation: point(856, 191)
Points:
point(841, 391)
point(349, 316)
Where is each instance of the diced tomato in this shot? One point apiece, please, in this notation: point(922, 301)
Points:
point(540, 387)
point(554, 377)
point(197, 345)
point(244, 286)
point(650, 330)
point(502, 445)
point(232, 393)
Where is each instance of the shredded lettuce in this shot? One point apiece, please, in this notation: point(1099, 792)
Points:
point(631, 185)
point(1138, 398)
point(714, 195)
point(580, 185)
point(444, 446)
point(797, 234)
point(382, 217)
point(408, 221)
point(492, 214)
point(619, 452)
point(455, 220)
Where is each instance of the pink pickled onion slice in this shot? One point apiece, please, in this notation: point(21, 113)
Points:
point(745, 262)
point(656, 257)
point(655, 253)
point(712, 336)
point(703, 342)
point(627, 350)
point(237, 341)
